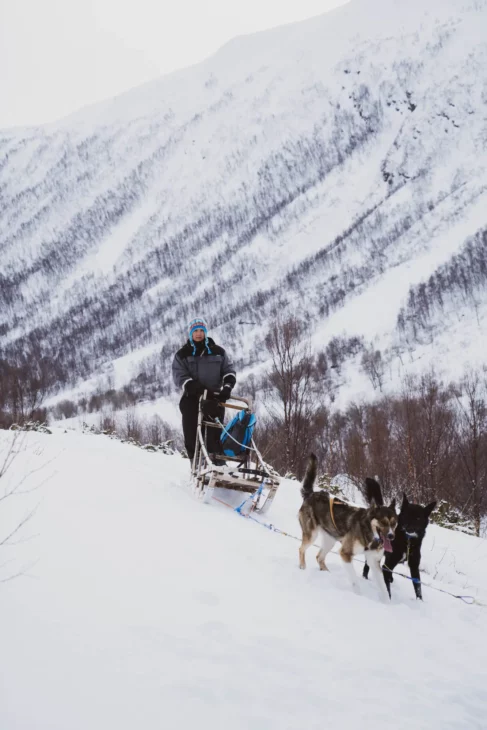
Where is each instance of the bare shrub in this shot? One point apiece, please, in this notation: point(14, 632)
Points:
point(157, 431)
point(132, 428)
point(107, 424)
point(11, 445)
point(373, 366)
point(64, 409)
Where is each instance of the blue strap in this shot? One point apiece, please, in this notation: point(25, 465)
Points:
point(414, 580)
point(251, 496)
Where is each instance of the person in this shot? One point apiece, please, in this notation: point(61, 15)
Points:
point(202, 364)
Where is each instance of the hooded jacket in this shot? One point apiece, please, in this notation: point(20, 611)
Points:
point(212, 369)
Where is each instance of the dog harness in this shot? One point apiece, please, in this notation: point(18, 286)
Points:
point(332, 502)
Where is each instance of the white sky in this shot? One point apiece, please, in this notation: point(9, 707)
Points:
point(59, 55)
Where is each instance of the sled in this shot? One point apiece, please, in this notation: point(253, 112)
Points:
point(246, 473)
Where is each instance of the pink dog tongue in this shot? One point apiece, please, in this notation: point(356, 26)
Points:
point(387, 545)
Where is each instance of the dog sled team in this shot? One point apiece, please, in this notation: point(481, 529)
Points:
point(372, 531)
point(205, 373)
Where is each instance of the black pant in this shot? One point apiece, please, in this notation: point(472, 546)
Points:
point(188, 406)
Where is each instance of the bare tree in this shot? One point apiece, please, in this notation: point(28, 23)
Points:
point(472, 441)
point(435, 436)
point(293, 405)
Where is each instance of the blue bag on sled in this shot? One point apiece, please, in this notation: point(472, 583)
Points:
point(238, 434)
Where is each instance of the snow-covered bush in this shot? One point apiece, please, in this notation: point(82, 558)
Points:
point(39, 426)
point(445, 515)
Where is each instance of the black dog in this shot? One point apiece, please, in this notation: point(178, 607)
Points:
point(411, 529)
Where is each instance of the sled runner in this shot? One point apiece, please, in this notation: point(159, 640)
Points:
point(239, 466)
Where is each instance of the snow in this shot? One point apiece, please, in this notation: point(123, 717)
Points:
point(141, 608)
point(137, 607)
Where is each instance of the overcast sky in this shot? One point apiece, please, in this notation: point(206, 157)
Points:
point(59, 55)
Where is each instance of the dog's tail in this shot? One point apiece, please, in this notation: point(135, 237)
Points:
point(373, 492)
point(309, 477)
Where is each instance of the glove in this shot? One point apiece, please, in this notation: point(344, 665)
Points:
point(194, 388)
point(225, 393)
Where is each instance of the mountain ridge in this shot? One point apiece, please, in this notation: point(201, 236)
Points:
point(306, 179)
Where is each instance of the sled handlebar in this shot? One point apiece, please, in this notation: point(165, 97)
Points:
point(241, 399)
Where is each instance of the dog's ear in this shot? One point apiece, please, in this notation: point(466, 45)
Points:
point(393, 504)
point(429, 508)
point(404, 501)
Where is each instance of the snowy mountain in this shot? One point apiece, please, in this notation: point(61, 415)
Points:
point(138, 607)
point(335, 169)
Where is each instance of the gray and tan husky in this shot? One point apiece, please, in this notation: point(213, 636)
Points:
point(359, 530)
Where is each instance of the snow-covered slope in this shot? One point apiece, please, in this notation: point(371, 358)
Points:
point(140, 608)
point(323, 167)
